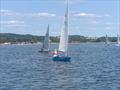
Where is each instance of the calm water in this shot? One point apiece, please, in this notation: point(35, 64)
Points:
point(92, 67)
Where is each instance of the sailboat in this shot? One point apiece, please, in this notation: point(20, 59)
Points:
point(107, 40)
point(45, 46)
point(118, 41)
point(62, 53)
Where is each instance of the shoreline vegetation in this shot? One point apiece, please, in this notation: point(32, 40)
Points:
point(10, 38)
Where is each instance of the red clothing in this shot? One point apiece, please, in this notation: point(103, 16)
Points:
point(55, 52)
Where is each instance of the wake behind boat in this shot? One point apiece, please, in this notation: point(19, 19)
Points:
point(45, 46)
point(62, 53)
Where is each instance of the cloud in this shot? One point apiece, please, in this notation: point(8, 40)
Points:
point(94, 22)
point(3, 10)
point(43, 15)
point(86, 15)
point(106, 15)
point(9, 13)
point(16, 25)
point(74, 1)
point(91, 15)
point(12, 23)
point(70, 1)
point(20, 14)
point(54, 33)
point(107, 28)
point(108, 23)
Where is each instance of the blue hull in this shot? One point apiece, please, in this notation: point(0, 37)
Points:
point(65, 59)
point(43, 51)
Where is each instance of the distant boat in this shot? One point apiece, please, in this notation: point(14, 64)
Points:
point(118, 41)
point(7, 43)
point(45, 46)
point(62, 53)
point(107, 42)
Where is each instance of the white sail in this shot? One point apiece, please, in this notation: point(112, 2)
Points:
point(46, 40)
point(63, 46)
point(107, 41)
point(118, 39)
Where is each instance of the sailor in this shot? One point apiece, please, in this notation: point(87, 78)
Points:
point(55, 53)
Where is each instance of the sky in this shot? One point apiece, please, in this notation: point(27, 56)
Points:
point(86, 17)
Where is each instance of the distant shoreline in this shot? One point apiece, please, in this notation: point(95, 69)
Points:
point(11, 38)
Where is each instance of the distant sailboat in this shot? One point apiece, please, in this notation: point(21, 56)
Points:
point(62, 53)
point(45, 46)
point(107, 40)
point(118, 41)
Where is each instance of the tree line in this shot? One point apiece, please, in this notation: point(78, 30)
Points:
point(18, 38)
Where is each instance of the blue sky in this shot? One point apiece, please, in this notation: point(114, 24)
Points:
point(86, 17)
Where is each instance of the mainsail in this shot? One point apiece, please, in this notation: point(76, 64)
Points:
point(63, 46)
point(118, 39)
point(46, 40)
point(107, 41)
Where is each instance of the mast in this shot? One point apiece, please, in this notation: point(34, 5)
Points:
point(67, 25)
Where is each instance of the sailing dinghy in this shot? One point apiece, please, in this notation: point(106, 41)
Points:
point(62, 53)
point(45, 46)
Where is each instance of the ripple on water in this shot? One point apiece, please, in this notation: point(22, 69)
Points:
point(92, 67)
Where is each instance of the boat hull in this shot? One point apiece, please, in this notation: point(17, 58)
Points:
point(44, 51)
point(65, 59)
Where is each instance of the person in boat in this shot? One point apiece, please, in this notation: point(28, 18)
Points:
point(55, 53)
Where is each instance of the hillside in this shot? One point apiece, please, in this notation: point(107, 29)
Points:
point(16, 38)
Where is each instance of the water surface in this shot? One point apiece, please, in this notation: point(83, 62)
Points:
point(92, 67)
